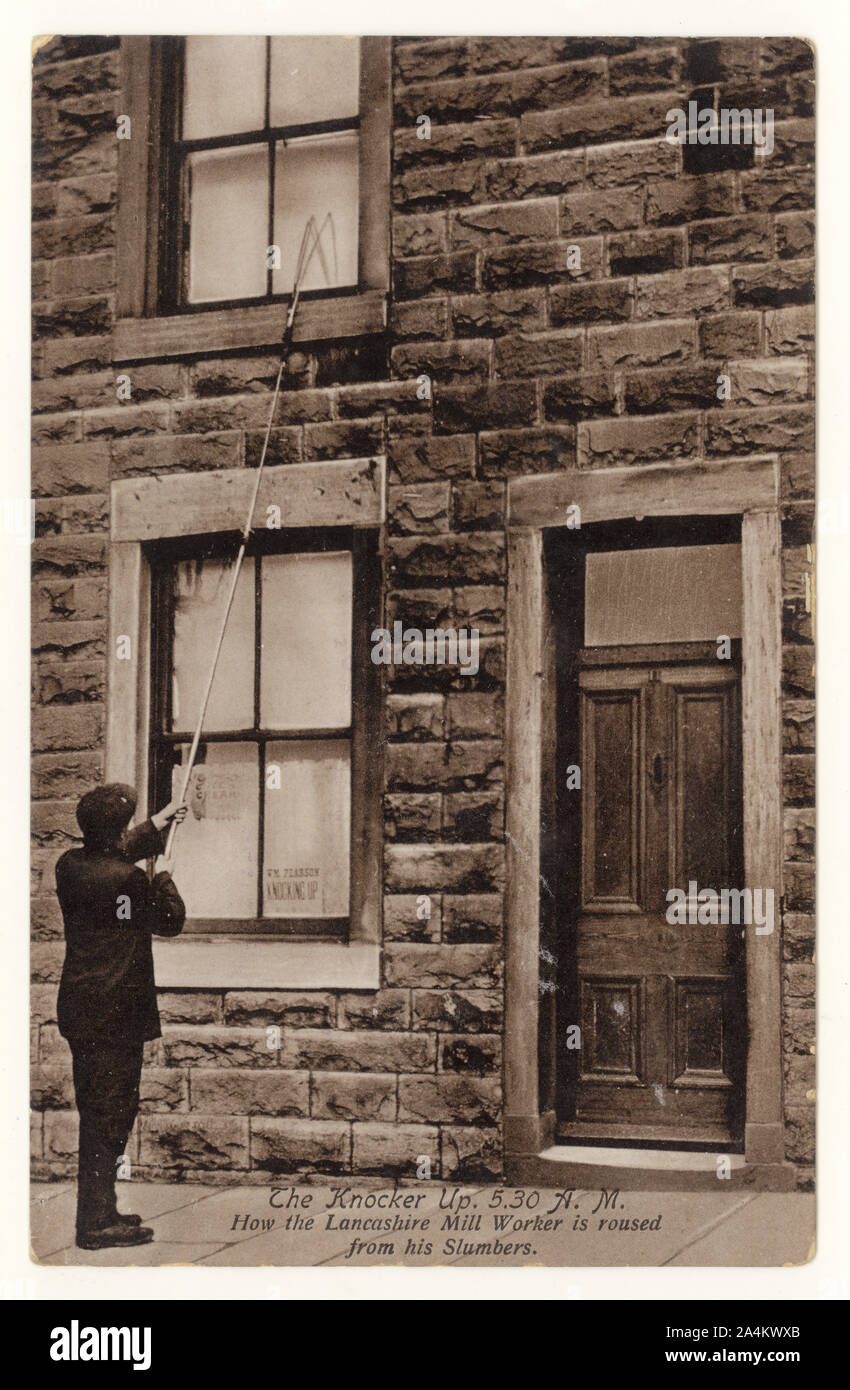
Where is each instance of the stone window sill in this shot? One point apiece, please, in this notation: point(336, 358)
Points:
point(224, 330)
point(216, 962)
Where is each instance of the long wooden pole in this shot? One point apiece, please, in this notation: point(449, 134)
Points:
point(304, 259)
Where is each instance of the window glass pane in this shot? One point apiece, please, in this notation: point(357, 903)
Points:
point(215, 849)
point(314, 78)
point(305, 665)
point(307, 828)
point(675, 594)
point(201, 588)
point(225, 86)
point(317, 175)
point(228, 238)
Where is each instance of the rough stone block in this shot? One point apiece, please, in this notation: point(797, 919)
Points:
point(538, 354)
point(532, 220)
point(449, 1099)
point(593, 302)
point(699, 291)
point(768, 380)
point(413, 816)
point(469, 1154)
point(300, 1146)
point(472, 917)
point(387, 1009)
point(790, 331)
point(230, 1092)
point(51, 1088)
point(470, 1053)
point(452, 868)
point(680, 388)
point(197, 1142)
point(375, 1050)
point(457, 363)
point(595, 123)
point(580, 397)
point(64, 468)
point(353, 1096)
point(506, 453)
point(646, 253)
point(163, 1089)
point(428, 967)
point(395, 1149)
point(601, 210)
point(729, 239)
point(534, 177)
point(418, 508)
point(764, 430)
point(210, 1045)
point(189, 1006)
point(458, 409)
point(423, 275)
point(641, 345)
point(402, 919)
point(420, 234)
point(543, 263)
point(504, 311)
point(773, 285)
point(637, 440)
point(731, 335)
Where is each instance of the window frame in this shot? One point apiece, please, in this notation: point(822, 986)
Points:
point(147, 323)
point(173, 295)
point(162, 556)
point(343, 492)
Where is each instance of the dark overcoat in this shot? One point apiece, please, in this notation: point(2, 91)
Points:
point(111, 910)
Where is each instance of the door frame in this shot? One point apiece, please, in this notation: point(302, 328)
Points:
point(748, 488)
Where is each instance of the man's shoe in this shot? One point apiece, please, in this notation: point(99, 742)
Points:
point(118, 1234)
point(126, 1218)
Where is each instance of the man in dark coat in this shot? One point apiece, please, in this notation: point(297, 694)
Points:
point(107, 1006)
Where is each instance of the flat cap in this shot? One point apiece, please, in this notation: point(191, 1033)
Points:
point(104, 812)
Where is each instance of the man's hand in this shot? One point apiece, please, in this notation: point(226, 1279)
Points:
point(175, 810)
point(164, 864)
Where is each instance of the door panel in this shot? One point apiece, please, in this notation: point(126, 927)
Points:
point(613, 737)
point(659, 1002)
point(705, 809)
point(613, 1024)
point(699, 1038)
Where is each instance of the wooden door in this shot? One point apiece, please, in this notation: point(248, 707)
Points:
point(660, 1004)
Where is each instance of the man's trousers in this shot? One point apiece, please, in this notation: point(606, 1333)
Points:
point(106, 1081)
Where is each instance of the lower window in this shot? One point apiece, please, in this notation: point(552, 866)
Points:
point(266, 846)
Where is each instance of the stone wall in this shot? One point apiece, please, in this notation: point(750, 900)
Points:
point(536, 146)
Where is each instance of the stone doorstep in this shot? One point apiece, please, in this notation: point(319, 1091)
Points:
point(643, 1170)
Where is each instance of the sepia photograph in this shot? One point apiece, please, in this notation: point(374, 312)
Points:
point(422, 737)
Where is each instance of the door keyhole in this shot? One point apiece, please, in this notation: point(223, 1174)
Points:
point(658, 772)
